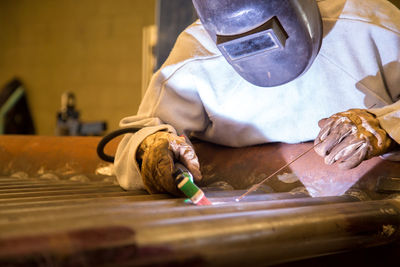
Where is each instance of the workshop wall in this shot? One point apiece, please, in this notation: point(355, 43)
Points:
point(90, 47)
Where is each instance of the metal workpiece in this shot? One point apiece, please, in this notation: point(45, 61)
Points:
point(270, 237)
point(388, 184)
point(26, 216)
point(357, 194)
point(250, 165)
point(57, 210)
point(112, 227)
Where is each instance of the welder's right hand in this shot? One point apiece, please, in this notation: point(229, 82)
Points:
point(350, 137)
point(157, 154)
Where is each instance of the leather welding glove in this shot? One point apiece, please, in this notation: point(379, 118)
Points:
point(350, 137)
point(157, 154)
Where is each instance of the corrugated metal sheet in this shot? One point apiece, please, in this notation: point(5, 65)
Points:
point(66, 223)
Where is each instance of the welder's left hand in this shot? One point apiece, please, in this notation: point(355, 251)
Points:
point(350, 137)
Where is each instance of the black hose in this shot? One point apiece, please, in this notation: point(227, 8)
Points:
point(106, 139)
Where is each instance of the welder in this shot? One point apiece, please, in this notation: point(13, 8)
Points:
point(254, 72)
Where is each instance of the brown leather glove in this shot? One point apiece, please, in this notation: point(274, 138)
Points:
point(350, 137)
point(157, 154)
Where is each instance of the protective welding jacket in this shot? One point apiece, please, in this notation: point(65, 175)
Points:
point(197, 93)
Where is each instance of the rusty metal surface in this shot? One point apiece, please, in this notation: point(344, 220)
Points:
point(243, 167)
point(70, 157)
point(56, 210)
point(64, 157)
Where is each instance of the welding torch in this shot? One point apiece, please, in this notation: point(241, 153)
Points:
point(184, 182)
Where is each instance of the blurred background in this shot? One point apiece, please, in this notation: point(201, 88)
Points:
point(96, 54)
point(76, 67)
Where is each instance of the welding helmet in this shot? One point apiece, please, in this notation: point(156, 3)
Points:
point(268, 42)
